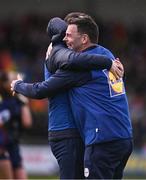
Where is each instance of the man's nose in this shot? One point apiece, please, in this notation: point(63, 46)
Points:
point(64, 39)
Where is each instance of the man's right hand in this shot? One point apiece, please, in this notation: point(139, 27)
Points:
point(19, 77)
point(117, 69)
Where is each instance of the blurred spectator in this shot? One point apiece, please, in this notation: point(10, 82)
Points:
point(15, 115)
point(5, 164)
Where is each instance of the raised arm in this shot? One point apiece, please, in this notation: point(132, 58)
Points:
point(64, 58)
point(60, 81)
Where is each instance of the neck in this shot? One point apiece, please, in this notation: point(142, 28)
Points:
point(87, 46)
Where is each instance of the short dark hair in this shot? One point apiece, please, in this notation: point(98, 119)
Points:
point(85, 24)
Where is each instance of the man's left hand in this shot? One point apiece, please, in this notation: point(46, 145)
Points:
point(49, 50)
point(117, 69)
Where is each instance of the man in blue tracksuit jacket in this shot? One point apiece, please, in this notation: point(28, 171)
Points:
point(100, 111)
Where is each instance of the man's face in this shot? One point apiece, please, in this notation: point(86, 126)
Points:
point(73, 38)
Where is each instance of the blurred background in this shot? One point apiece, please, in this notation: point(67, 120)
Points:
point(23, 44)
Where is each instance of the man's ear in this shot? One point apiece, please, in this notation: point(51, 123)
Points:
point(85, 38)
